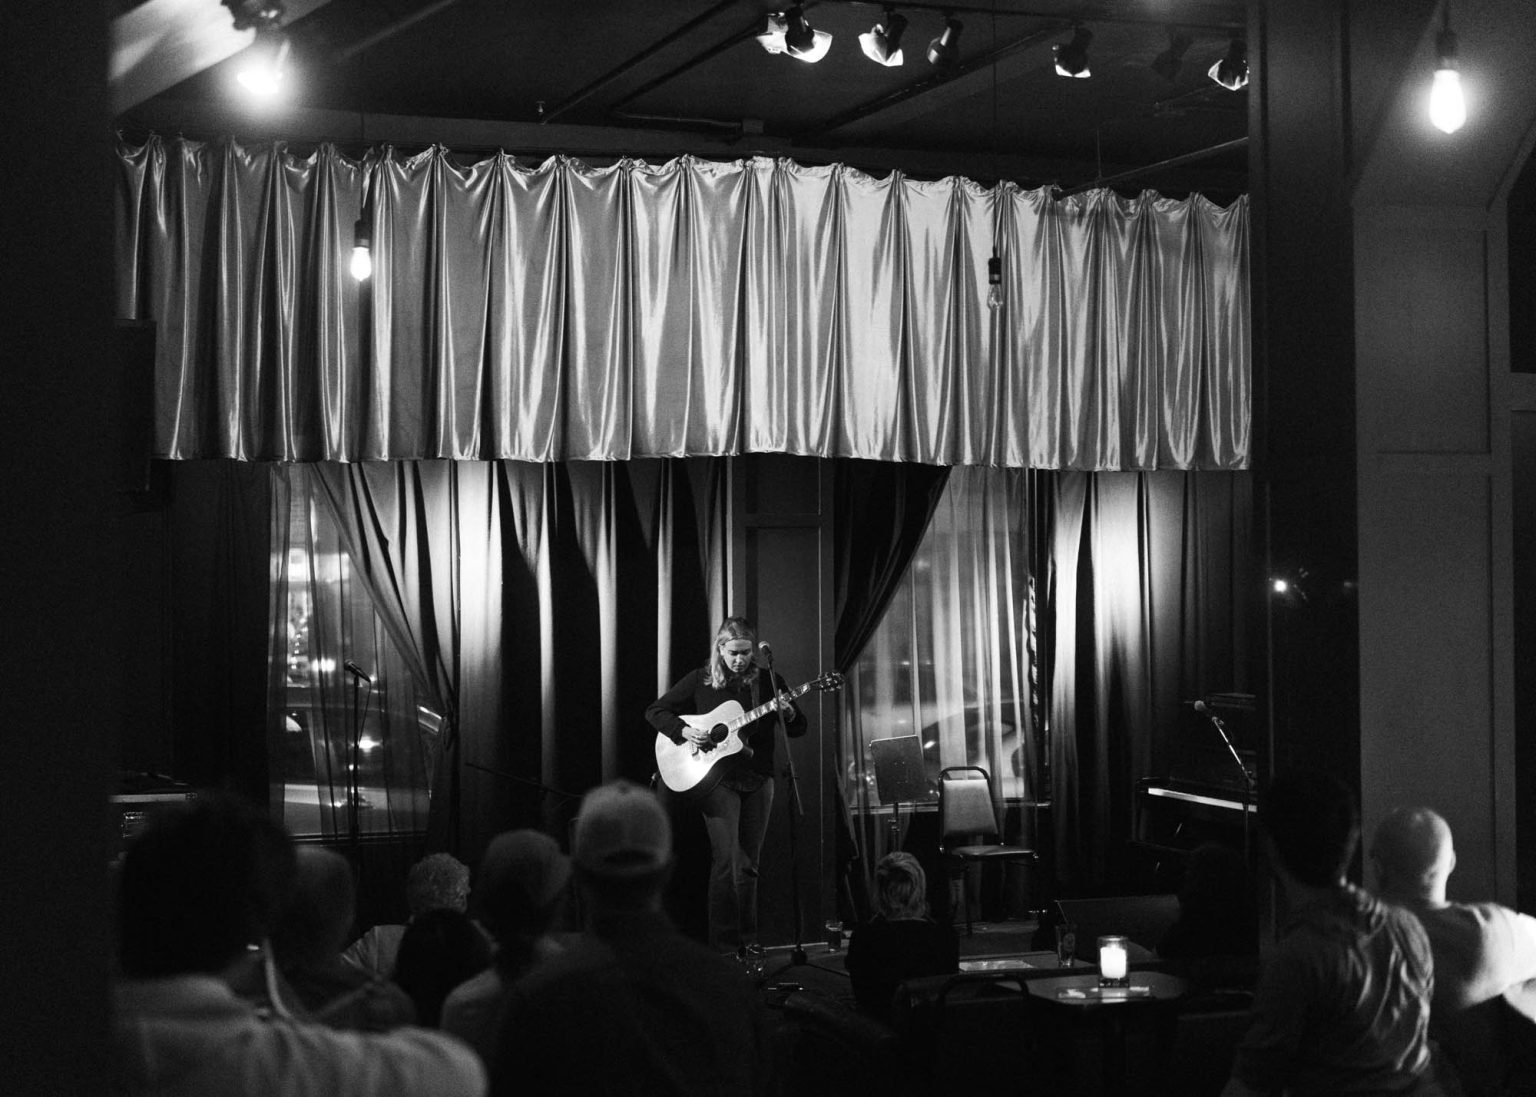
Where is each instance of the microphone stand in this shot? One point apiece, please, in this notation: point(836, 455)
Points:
point(1250, 794)
point(797, 809)
point(354, 792)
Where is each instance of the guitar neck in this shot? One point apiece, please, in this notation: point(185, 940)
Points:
point(766, 707)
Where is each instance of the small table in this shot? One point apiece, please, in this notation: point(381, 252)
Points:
point(1026, 961)
point(1072, 997)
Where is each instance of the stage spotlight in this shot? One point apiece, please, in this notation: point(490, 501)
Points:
point(882, 42)
point(1447, 108)
point(1072, 57)
point(265, 64)
point(771, 37)
point(800, 41)
point(1231, 72)
point(1168, 63)
point(944, 51)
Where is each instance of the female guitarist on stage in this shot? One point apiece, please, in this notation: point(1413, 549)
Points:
point(735, 805)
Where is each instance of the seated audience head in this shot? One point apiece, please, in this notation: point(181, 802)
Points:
point(318, 918)
point(901, 887)
point(522, 885)
point(622, 847)
point(199, 884)
point(441, 949)
point(1413, 855)
point(438, 881)
point(1313, 827)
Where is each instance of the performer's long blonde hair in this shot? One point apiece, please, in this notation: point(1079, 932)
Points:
point(732, 628)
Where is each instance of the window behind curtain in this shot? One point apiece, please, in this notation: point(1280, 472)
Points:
point(330, 719)
point(951, 659)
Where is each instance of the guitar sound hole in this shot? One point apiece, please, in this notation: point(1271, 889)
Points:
point(718, 733)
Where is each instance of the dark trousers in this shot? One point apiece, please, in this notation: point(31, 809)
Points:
point(736, 823)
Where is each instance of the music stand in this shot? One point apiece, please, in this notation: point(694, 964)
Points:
point(900, 776)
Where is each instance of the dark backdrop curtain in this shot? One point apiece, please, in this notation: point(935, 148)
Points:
point(1149, 582)
point(547, 605)
point(216, 562)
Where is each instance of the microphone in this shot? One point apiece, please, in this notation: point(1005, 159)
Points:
point(1210, 714)
point(356, 671)
point(766, 651)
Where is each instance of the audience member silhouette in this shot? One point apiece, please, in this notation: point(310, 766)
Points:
point(901, 942)
point(1342, 1004)
point(438, 881)
point(1485, 956)
point(632, 1006)
point(441, 949)
point(307, 945)
point(198, 887)
point(519, 895)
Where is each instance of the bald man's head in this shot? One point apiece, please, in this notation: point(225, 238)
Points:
point(1413, 855)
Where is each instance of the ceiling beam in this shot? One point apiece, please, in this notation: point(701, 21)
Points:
point(628, 66)
point(1151, 169)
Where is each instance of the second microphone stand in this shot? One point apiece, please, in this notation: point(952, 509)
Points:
point(1250, 789)
point(797, 809)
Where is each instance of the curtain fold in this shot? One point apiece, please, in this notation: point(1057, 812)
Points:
point(883, 510)
point(562, 312)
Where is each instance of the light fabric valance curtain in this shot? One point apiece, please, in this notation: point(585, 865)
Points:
point(562, 311)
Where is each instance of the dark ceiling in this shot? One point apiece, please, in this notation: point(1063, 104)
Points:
point(655, 79)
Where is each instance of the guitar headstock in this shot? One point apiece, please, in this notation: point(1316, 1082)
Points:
point(827, 682)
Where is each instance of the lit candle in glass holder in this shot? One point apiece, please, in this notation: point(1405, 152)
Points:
point(1112, 962)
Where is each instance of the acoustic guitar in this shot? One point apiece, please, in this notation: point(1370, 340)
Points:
point(693, 768)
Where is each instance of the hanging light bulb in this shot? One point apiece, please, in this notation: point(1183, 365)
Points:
point(362, 250)
point(1447, 107)
point(995, 280)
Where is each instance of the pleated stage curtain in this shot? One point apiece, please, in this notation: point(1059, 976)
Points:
point(514, 619)
point(560, 311)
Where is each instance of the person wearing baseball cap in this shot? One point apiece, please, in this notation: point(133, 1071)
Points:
point(670, 1016)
